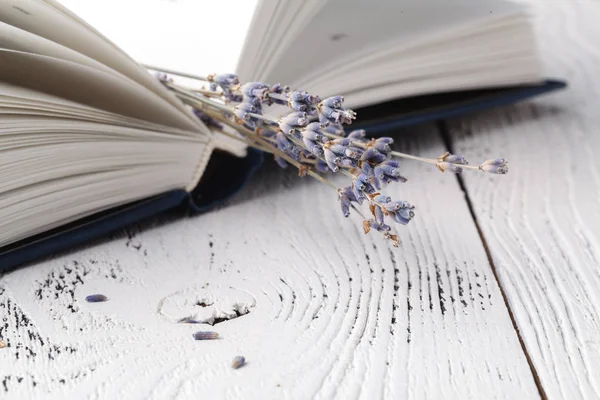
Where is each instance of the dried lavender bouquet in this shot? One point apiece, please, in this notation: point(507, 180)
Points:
point(312, 138)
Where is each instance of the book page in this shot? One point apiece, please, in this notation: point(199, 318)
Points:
point(88, 86)
point(366, 26)
point(43, 19)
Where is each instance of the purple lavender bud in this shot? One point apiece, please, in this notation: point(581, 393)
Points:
point(378, 214)
point(348, 191)
point(304, 97)
point(334, 129)
point(298, 106)
point(232, 97)
point(313, 147)
point(376, 182)
point(367, 169)
point(313, 99)
point(293, 152)
point(382, 147)
point(400, 219)
point(311, 135)
point(322, 166)
point(333, 102)
point(281, 162)
point(295, 119)
point(358, 194)
point(343, 141)
point(348, 163)
point(225, 79)
point(338, 149)
point(238, 362)
point(396, 178)
point(446, 166)
point(277, 88)
point(314, 127)
point(161, 76)
point(248, 107)
point(332, 160)
point(96, 298)
point(382, 199)
point(373, 156)
point(494, 169)
point(456, 159)
point(345, 204)
point(329, 115)
point(361, 180)
point(392, 163)
point(347, 116)
point(288, 130)
point(392, 206)
point(251, 89)
point(354, 152)
point(406, 213)
point(495, 161)
point(241, 114)
point(384, 139)
point(385, 169)
point(282, 141)
point(255, 101)
point(357, 134)
point(205, 335)
point(381, 227)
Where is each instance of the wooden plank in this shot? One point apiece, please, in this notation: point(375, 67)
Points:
point(318, 309)
point(542, 223)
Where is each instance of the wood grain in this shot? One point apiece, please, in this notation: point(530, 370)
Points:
point(318, 309)
point(542, 224)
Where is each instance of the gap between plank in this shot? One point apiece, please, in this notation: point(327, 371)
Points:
point(446, 138)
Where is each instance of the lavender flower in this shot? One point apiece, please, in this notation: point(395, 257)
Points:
point(295, 119)
point(205, 335)
point(373, 224)
point(373, 155)
point(224, 80)
point(334, 129)
point(451, 158)
point(331, 159)
point(382, 145)
point(357, 134)
point(388, 172)
point(255, 89)
point(331, 111)
point(495, 166)
point(312, 138)
point(96, 298)
point(346, 196)
point(321, 166)
point(446, 166)
point(238, 362)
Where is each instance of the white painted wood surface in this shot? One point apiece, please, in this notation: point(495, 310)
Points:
point(331, 313)
point(542, 225)
point(321, 311)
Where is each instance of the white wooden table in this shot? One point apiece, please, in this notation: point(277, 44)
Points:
point(494, 292)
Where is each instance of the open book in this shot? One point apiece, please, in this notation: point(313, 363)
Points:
point(90, 140)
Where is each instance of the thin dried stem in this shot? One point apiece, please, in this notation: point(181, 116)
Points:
point(177, 73)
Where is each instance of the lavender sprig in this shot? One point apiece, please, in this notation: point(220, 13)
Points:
point(312, 138)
